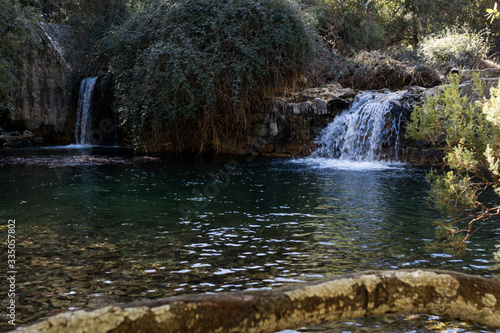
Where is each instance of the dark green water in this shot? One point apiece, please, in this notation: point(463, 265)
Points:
point(100, 229)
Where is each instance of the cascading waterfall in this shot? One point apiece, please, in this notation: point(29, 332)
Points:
point(83, 130)
point(368, 131)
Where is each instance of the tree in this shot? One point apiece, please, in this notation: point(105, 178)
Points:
point(471, 132)
point(96, 17)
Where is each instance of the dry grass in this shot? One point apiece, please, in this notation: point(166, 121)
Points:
point(373, 70)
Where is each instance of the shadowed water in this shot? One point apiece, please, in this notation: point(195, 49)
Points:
point(116, 228)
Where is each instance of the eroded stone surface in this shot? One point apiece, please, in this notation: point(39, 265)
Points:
point(42, 99)
point(451, 294)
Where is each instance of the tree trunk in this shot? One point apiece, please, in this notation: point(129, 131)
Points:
point(454, 295)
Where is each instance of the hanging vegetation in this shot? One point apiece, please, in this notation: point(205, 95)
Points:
point(188, 72)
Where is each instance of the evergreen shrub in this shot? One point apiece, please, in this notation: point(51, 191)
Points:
point(188, 72)
point(454, 48)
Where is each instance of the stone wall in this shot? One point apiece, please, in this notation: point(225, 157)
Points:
point(44, 98)
point(289, 125)
point(425, 153)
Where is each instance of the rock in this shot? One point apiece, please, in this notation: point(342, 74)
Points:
point(305, 135)
point(320, 106)
point(294, 107)
point(305, 107)
point(59, 303)
point(333, 86)
point(345, 94)
point(269, 148)
point(415, 90)
point(290, 123)
point(261, 130)
point(38, 140)
point(25, 309)
point(42, 98)
point(441, 293)
point(273, 129)
point(13, 144)
point(485, 73)
point(99, 302)
point(28, 134)
point(54, 312)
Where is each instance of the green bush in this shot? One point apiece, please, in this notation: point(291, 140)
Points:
point(188, 72)
point(454, 48)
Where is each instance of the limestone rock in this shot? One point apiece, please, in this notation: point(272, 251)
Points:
point(42, 99)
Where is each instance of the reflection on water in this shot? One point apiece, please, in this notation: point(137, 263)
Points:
point(104, 233)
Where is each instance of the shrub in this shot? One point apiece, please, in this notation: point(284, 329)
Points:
point(188, 72)
point(472, 135)
point(454, 48)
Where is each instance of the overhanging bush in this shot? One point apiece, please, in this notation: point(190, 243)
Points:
point(188, 72)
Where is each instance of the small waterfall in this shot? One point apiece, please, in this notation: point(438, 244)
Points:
point(367, 131)
point(83, 130)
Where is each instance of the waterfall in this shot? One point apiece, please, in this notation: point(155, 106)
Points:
point(83, 130)
point(367, 131)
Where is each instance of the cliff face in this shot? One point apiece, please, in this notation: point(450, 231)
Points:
point(43, 100)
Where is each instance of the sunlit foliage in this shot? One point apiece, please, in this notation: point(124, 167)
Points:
point(471, 131)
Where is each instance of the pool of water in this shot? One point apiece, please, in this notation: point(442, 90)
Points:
point(103, 227)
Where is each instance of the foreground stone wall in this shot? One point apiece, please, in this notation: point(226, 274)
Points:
point(450, 294)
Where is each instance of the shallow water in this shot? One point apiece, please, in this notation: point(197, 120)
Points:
point(96, 228)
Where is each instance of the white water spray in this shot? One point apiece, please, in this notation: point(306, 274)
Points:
point(367, 132)
point(83, 130)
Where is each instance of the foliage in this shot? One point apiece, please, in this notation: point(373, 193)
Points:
point(17, 29)
point(350, 25)
point(472, 134)
point(454, 48)
point(389, 69)
point(355, 25)
point(189, 71)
